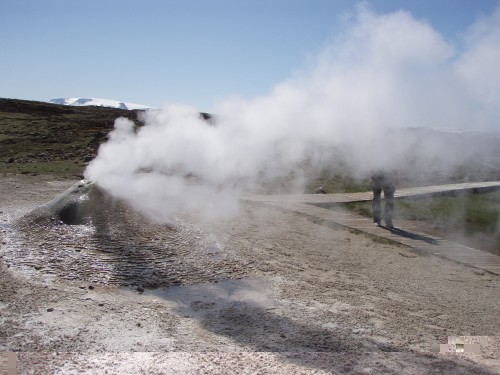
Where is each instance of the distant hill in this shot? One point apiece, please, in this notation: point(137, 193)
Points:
point(40, 137)
point(80, 102)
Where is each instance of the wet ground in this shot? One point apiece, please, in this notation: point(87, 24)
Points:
point(87, 237)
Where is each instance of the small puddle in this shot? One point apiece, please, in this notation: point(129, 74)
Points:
point(201, 298)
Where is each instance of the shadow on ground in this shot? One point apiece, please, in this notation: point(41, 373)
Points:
point(245, 312)
point(411, 235)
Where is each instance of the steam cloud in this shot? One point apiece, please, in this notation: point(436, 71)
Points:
point(383, 73)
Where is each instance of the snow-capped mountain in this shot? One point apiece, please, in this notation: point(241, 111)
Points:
point(97, 102)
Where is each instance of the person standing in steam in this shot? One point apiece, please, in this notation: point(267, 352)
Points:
point(383, 181)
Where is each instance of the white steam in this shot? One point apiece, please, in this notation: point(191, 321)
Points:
point(385, 71)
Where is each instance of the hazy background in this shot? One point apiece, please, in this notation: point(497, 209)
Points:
point(363, 101)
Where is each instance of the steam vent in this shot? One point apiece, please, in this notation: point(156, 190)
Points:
point(85, 235)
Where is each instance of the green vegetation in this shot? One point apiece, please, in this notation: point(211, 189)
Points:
point(470, 213)
point(469, 216)
point(338, 184)
point(37, 137)
point(62, 168)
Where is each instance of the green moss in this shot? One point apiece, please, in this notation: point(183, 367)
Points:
point(60, 168)
point(468, 213)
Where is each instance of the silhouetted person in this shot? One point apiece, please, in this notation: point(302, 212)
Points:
point(383, 181)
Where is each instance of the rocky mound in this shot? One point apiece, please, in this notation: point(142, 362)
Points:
point(86, 236)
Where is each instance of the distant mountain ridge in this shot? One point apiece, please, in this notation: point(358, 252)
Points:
point(80, 102)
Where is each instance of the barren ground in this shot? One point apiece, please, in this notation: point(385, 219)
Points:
point(309, 299)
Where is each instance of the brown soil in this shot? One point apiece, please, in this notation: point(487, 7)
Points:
point(305, 299)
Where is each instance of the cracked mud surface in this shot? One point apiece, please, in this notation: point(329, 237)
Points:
point(267, 292)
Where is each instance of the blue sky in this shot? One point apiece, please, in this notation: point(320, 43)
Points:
point(196, 52)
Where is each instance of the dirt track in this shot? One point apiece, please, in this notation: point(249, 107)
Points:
point(365, 306)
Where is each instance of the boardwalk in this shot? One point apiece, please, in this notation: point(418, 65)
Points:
point(318, 207)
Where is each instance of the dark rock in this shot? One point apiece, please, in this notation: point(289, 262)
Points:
point(320, 190)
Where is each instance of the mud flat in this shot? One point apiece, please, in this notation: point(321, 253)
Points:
point(266, 291)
